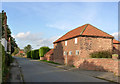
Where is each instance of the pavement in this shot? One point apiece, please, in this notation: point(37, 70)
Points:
point(39, 71)
point(15, 73)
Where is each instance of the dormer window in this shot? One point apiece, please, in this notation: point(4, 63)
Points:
point(75, 40)
point(65, 43)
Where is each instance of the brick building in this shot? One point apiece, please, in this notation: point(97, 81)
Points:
point(49, 55)
point(20, 53)
point(79, 43)
point(116, 47)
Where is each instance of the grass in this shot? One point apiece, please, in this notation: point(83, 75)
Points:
point(50, 62)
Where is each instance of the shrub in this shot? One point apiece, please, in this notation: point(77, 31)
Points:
point(36, 54)
point(2, 52)
point(101, 54)
point(29, 54)
point(32, 54)
point(43, 51)
point(6, 60)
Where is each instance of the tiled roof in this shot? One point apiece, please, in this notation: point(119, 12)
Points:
point(21, 51)
point(85, 30)
point(49, 52)
point(115, 41)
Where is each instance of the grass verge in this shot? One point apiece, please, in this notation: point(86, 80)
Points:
point(50, 62)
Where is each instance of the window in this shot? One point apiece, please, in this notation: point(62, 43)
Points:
point(65, 43)
point(75, 40)
point(65, 53)
point(70, 52)
point(77, 52)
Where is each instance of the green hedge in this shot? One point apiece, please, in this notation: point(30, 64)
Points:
point(3, 60)
point(32, 54)
point(43, 51)
point(36, 54)
point(29, 54)
point(6, 60)
point(101, 54)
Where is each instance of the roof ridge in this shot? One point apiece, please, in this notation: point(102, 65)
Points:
point(84, 29)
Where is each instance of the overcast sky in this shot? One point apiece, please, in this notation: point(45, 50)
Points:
point(41, 23)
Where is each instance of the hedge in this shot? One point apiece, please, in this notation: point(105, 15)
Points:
point(29, 54)
point(43, 51)
point(101, 54)
point(3, 60)
point(6, 60)
point(32, 54)
point(36, 54)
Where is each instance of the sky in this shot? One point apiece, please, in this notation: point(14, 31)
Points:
point(41, 23)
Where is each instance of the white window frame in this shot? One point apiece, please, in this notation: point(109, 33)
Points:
point(65, 53)
point(76, 39)
point(65, 43)
point(77, 52)
point(70, 52)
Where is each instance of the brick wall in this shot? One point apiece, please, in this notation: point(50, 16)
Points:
point(48, 57)
point(101, 64)
point(116, 49)
point(85, 45)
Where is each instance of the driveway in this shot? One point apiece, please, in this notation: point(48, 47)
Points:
point(36, 71)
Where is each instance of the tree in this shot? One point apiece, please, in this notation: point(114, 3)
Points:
point(16, 51)
point(27, 48)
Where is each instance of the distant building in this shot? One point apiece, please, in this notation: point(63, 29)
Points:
point(21, 53)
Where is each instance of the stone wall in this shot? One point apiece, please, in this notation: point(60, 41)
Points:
point(102, 64)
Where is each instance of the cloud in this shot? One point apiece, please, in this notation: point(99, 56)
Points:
point(27, 36)
point(115, 34)
point(36, 40)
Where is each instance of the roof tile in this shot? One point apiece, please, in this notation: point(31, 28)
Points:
point(87, 30)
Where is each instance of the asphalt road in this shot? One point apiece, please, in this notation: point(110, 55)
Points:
point(36, 71)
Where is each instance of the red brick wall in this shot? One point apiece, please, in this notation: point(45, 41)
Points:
point(116, 48)
point(48, 57)
point(101, 64)
point(85, 45)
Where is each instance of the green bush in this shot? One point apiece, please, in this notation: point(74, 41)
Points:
point(43, 51)
point(32, 54)
point(29, 54)
point(36, 54)
point(101, 54)
point(3, 60)
point(6, 60)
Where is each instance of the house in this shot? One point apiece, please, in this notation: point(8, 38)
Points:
point(21, 53)
point(79, 43)
point(116, 47)
point(3, 38)
point(49, 55)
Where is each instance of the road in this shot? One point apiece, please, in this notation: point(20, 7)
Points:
point(36, 71)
